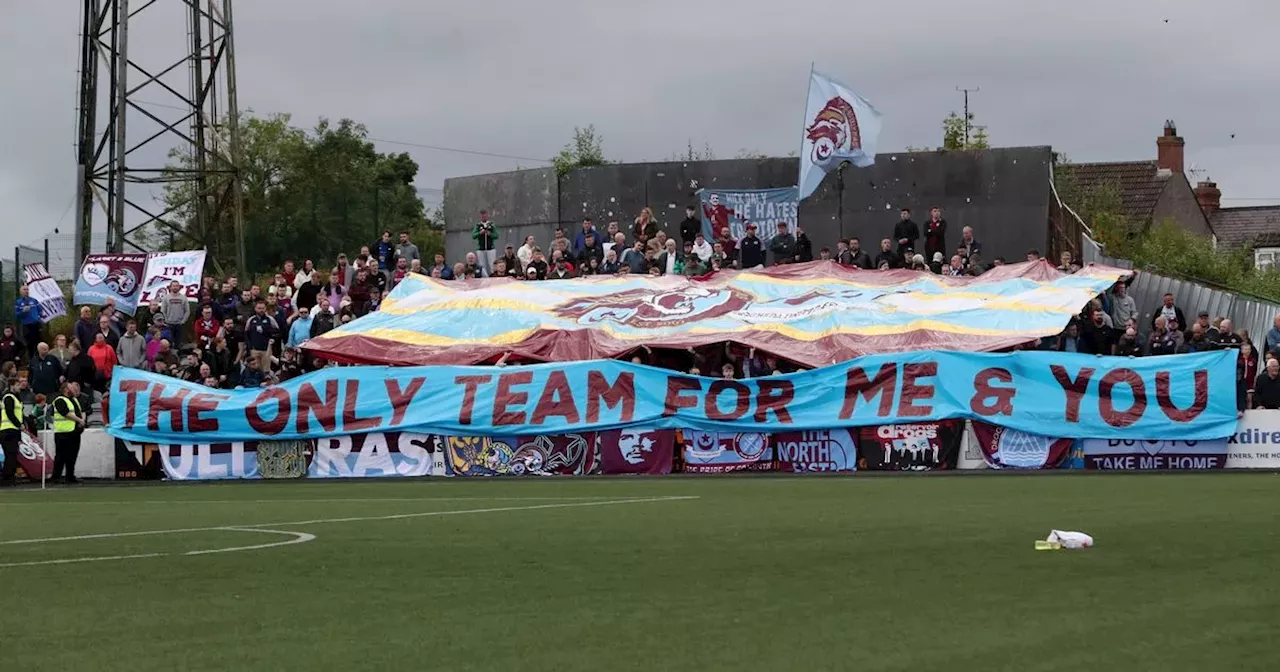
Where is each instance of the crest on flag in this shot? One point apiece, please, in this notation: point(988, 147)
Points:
point(839, 126)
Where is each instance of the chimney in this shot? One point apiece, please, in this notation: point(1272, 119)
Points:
point(1169, 149)
point(1209, 197)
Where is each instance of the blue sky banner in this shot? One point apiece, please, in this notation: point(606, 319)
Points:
point(735, 208)
point(214, 461)
point(377, 455)
point(839, 126)
point(821, 450)
point(721, 452)
point(1189, 397)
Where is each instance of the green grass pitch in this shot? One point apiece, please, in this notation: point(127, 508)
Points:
point(734, 573)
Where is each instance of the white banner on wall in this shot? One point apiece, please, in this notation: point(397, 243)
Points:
point(43, 288)
point(165, 267)
point(1256, 444)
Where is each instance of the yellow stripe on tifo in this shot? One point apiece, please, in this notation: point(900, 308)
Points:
point(1017, 303)
point(410, 337)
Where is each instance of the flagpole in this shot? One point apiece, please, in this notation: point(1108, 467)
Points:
point(804, 122)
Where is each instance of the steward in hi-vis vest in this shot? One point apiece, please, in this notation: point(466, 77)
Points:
point(11, 429)
point(68, 425)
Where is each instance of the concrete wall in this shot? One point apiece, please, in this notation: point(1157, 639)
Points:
point(520, 202)
point(1002, 193)
point(1178, 202)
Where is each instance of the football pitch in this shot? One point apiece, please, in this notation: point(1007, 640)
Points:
point(729, 573)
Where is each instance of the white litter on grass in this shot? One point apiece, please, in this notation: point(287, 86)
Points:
point(1070, 540)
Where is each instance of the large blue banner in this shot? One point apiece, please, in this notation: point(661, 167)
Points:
point(735, 208)
point(1189, 397)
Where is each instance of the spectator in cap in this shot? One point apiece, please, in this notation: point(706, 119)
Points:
point(1202, 319)
point(750, 251)
point(936, 263)
point(510, 261)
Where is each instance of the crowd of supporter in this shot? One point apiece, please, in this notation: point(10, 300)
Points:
point(642, 247)
point(247, 335)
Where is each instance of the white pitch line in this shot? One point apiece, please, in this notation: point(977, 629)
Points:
point(298, 538)
point(67, 561)
point(354, 519)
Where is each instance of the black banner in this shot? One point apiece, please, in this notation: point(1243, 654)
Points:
point(922, 446)
point(138, 461)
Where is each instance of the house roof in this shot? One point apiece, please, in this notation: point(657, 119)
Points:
point(1257, 225)
point(1140, 182)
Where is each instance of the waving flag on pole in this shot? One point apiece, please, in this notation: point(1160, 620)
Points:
point(839, 126)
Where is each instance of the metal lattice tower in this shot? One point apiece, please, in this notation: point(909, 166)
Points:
point(124, 136)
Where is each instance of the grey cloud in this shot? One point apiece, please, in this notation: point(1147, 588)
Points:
point(1094, 79)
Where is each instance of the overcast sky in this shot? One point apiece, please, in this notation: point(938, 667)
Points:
point(1094, 79)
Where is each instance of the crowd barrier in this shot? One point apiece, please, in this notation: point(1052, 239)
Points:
point(917, 447)
point(925, 446)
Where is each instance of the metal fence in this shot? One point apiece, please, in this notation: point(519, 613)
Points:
point(1148, 289)
point(56, 251)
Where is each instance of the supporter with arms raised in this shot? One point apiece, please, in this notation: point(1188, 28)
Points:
point(804, 246)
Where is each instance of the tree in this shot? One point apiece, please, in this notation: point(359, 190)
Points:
point(585, 150)
point(1162, 246)
point(310, 195)
point(691, 154)
point(954, 128)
